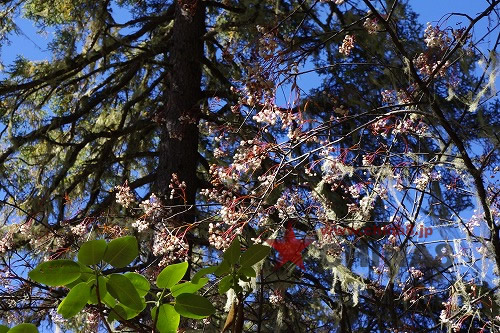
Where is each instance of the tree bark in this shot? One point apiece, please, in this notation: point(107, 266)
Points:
point(178, 148)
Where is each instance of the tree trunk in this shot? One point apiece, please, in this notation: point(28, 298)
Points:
point(179, 131)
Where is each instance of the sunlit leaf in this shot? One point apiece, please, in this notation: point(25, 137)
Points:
point(168, 319)
point(56, 272)
point(171, 274)
point(140, 283)
point(121, 251)
point(92, 252)
point(23, 328)
point(225, 284)
point(193, 306)
point(122, 289)
point(75, 301)
point(254, 254)
point(188, 287)
point(202, 272)
point(233, 252)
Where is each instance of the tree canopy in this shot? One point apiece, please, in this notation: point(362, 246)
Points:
point(148, 165)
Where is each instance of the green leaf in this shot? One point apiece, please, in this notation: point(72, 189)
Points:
point(125, 312)
point(225, 284)
point(92, 252)
point(87, 273)
point(74, 283)
point(23, 328)
point(75, 301)
point(109, 300)
point(121, 251)
point(122, 289)
point(131, 313)
point(247, 271)
point(170, 275)
point(102, 290)
point(140, 283)
point(203, 272)
point(118, 313)
point(223, 268)
point(4, 329)
point(56, 272)
point(168, 319)
point(254, 254)
point(244, 278)
point(188, 287)
point(233, 252)
point(193, 306)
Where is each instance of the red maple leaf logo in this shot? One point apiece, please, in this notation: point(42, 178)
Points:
point(290, 248)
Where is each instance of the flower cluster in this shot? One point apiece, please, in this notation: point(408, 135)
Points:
point(176, 186)
point(444, 316)
point(219, 153)
point(405, 96)
point(152, 207)
point(410, 126)
point(218, 175)
point(124, 195)
point(56, 318)
point(381, 127)
point(355, 190)
point(422, 181)
point(267, 43)
point(474, 221)
point(334, 170)
point(381, 191)
point(92, 320)
point(435, 37)
point(425, 177)
point(217, 238)
point(286, 207)
point(249, 155)
point(399, 182)
point(141, 224)
point(270, 113)
point(232, 213)
point(388, 96)
point(410, 295)
point(6, 243)
point(276, 298)
point(169, 246)
point(79, 229)
point(347, 45)
point(426, 64)
point(371, 25)
point(365, 208)
point(216, 195)
point(25, 228)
